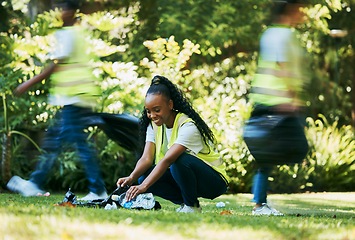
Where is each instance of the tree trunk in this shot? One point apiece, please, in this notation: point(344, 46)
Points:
point(6, 158)
point(353, 94)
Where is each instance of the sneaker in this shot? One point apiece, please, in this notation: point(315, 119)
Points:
point(188, 209)
point(266, 210)
point(24, 187)
point(93, 196)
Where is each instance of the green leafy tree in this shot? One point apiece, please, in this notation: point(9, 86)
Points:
point(331, 88)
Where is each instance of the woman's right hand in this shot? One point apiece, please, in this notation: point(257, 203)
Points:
point(125, 181)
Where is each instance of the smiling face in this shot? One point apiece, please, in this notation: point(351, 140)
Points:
point(160, 109)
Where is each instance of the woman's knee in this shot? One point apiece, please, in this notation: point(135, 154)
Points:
point(181, 164)
point(184, 159)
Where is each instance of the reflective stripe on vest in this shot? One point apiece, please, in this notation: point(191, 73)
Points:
point(269, 87)
point(212, 158)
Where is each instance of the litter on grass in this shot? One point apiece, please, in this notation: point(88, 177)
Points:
point(115, 200)
point(220, 204)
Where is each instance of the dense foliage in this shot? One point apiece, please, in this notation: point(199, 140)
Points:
point(210, 49)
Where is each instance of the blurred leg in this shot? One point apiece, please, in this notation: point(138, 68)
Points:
point(51, 147)
point(74, 122)
point(260, 185)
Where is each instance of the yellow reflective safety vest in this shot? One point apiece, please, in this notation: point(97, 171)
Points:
point(273, 85)
point(74, 76)
point(212, 158)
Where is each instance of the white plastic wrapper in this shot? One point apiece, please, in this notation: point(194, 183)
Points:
point(220, 204)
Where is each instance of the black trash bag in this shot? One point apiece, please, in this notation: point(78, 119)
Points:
point(71, 198)
point(121, 128)
point(275, 139)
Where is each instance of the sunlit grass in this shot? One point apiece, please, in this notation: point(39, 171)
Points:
point(307, 216)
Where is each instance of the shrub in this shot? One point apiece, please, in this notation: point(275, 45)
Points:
point(332, 156)
point(329, 165)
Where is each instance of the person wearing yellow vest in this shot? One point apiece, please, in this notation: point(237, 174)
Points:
point(179, 162)
point(276, 87)
point(72, 88)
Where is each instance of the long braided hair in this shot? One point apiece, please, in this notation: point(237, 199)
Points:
point(162, 85)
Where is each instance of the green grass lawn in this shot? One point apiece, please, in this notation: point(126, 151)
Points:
point(307, 216)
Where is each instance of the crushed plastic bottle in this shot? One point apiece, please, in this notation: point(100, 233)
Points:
point(128, 205)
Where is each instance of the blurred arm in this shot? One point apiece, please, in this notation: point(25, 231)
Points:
point(36, 79)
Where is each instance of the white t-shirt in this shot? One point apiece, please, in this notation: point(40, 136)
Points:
point(64, 43)
point(188, 136)
point(274, 44)
point(279, 44)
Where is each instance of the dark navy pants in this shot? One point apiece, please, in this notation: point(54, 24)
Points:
point(68, 128)
point(187, 179)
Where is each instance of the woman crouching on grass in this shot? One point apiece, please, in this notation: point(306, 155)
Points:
point(179, 162)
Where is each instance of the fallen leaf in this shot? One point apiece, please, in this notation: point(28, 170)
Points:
point(226, 212)
point(65, 204)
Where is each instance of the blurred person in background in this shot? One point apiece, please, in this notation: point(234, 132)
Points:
point(275, 91)
point(73, 88)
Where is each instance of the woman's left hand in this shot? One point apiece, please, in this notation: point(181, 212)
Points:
point(133, 192)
